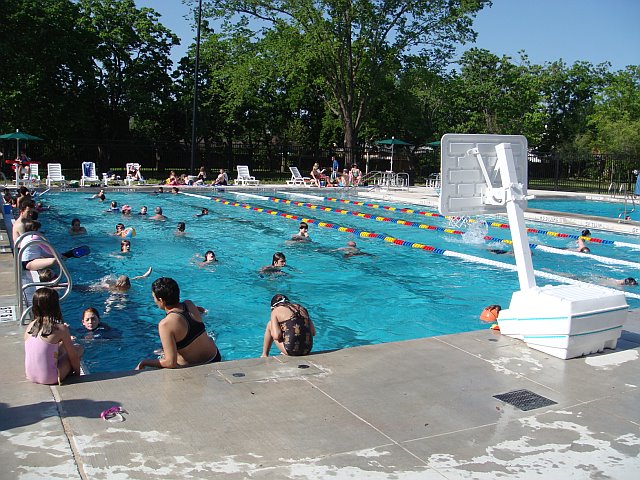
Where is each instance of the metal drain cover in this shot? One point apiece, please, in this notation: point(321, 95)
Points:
point(7, 314)
point(525, 399)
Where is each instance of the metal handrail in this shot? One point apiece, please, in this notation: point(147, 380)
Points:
point(23, 310)
point(387, 179)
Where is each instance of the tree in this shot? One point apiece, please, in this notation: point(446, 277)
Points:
point(616, 115)
point(354, 43)
point(131, 66)
point(568, 99)
point(46, 73)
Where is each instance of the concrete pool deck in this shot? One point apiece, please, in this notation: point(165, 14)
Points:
point(416, 409)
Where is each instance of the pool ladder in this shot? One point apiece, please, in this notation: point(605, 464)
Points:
point(628, 198)
point(27, 285)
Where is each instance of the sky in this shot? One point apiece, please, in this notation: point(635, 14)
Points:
point(595, 31)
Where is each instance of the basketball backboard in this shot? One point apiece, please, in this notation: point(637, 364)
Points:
point(463, 183)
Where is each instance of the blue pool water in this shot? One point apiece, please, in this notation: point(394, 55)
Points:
point(588, 207)
point(397, 293)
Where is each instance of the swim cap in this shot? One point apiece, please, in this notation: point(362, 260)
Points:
point(278, 299)
point(586, 233)
point(629, 281)
point(129, 232)
point(490, 313)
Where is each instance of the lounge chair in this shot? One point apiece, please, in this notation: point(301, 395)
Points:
point(32, 178)
point(244, 177)
point(136, 176)
point(54, 174)
point(297, 178)
point(89, 174)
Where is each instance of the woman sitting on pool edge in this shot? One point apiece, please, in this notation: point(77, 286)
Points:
point(290, 327)
point(182, 321)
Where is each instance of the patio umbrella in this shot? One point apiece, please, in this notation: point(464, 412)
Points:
point(18, 135)
point(392, 141)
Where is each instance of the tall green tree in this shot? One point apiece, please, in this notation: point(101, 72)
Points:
point(45, 68)
point(131, 66)
point(355, 43)
point(616, 114)
point(569, 98)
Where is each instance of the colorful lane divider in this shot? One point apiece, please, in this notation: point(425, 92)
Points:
point(556, 251)
point(400, 242)
point(549, 233)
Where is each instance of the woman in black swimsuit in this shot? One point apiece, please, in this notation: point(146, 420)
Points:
point(183, 334)
point(290, 327)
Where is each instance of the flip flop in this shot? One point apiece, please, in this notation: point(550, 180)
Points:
point(77, 252)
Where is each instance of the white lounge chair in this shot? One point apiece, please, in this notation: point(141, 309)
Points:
point(129, 179)
point(32, 177)
point(244, 177)
point(297, 178)
point(54, 174)
point(89, 174)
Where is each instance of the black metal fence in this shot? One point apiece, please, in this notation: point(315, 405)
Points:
point(596, 173)
point(593, 173)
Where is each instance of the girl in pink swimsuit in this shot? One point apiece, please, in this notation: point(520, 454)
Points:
point(49, 353)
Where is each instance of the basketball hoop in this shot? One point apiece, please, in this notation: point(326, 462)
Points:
point(458, 222)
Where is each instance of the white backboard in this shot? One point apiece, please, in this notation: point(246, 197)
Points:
point(463, 184)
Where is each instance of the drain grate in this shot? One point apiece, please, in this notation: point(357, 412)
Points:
point(7, 314)
point(525, 399)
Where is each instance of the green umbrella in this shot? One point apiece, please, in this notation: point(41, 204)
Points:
point(392, 141)
point(18, 135)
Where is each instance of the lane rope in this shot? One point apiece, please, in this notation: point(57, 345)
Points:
point(397, 241)
point(549, 233)
point(533, 246)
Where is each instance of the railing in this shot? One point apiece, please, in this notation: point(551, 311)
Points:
point(386, 180)
point(25, 287)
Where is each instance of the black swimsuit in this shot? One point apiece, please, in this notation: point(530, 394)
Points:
point(194, 328)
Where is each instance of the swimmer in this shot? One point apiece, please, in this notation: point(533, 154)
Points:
point(158, 215)
point(95, 328)
point(143, 210)
point(175, 190)
point(119, 230)
point(277, 263)
point(351, 250)
point(586, 233)
point(180, 230)
point(76, 228)
point(303, 233)
point(112, 283)
point(100, 195)
point(125, 246)
point(581, 247)
point(205, 211)
point(113, 208)
point(209, 258)
point(126, 210)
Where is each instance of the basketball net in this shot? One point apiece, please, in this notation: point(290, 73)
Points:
point(458, 222)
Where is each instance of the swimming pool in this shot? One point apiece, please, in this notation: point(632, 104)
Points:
point(587, 207)
point(400, 292)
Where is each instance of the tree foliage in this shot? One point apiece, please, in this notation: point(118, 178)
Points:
point(355, 44)
point(308, 72)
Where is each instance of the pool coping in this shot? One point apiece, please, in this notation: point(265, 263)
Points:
point(416, 409)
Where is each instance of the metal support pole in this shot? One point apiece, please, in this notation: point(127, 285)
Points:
point(194, 121)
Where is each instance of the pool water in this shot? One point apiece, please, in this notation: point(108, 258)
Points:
point(396, 293)
point(588, 207)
